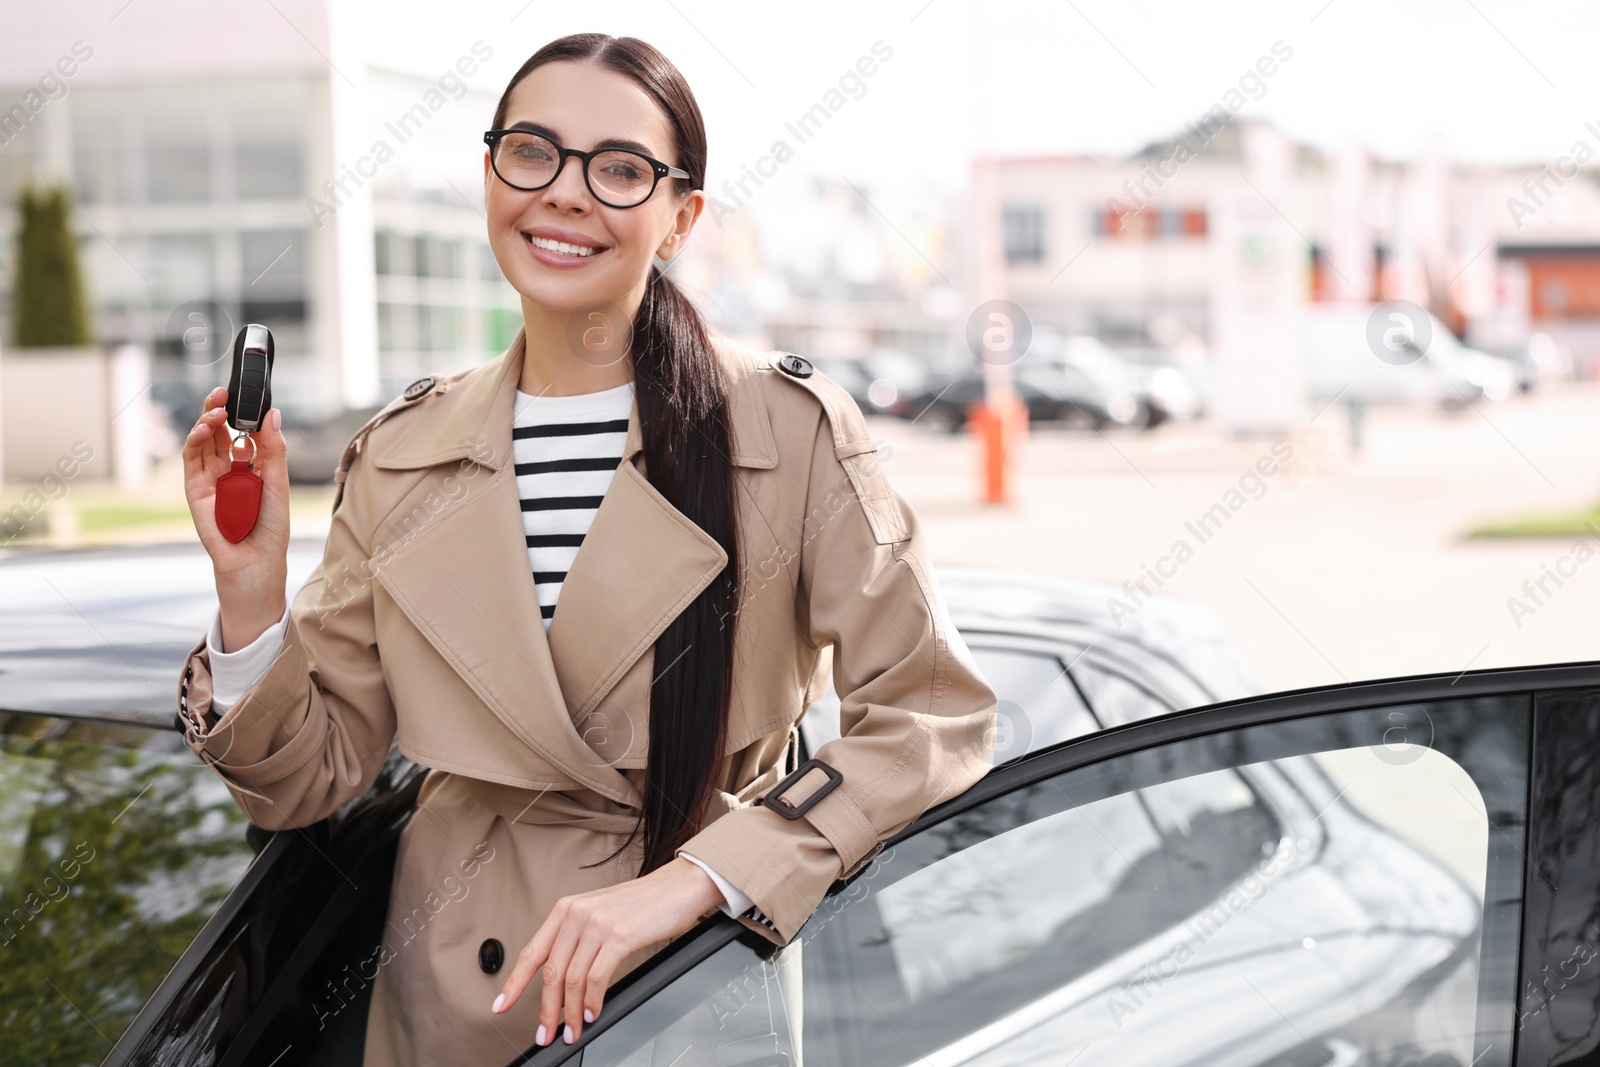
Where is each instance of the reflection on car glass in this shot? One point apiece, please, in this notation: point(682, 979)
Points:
point(1079, 885)
point(1245, 898)
point(115, 847)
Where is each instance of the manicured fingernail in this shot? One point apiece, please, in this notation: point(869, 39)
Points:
point(538, 1038)
point(499, 1002)
point(588, 1016)
point(567, 1035)
point(277, 419)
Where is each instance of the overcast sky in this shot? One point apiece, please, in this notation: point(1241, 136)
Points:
point(1504, 80)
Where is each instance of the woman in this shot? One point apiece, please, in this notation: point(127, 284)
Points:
point(593, 781)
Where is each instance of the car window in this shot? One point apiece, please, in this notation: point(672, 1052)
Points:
point(116, 846)
point(1039, 706)
point(1304, 892)
point(1114, 698)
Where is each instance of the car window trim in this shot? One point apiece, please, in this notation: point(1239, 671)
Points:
point(1080, 634)
point(1076, 753)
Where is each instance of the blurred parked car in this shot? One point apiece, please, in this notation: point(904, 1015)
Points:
point(1191, 361)
point(1051, 394)
point(1343, 363)
point(883, 382)
point(1523, 366)
point(315, 446)
point(1162, 391)
point(1354, 874)
point(850, 374)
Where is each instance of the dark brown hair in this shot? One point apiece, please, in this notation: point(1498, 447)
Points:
point(683, 418)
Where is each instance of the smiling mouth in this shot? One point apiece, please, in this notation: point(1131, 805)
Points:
point(562, 248)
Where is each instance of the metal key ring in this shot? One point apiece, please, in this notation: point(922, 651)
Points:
point(235, 444)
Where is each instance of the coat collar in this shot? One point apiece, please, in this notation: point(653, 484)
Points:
point(472, 416)
point(462, 576)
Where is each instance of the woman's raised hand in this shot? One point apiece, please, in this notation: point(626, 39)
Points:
point(585, 937)
point(251, 574)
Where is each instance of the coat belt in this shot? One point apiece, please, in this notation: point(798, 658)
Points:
point(552, 807)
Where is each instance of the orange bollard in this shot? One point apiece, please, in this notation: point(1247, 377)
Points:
point(995, 432)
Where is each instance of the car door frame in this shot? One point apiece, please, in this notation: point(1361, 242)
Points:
point(1534, 681)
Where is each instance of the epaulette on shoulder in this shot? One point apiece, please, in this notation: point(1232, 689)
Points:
point(850, 435)
point(413, 394)
point(853, 445)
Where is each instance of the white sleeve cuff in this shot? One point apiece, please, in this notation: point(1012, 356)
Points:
point(233, 673)
point(735, 903)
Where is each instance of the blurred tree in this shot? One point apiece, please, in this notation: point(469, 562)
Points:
point(129, 848)
point(50, 308)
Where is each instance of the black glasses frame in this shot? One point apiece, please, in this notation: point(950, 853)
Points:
point(658, 168)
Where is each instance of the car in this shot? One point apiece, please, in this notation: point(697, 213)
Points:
point(1523, 365)
point(1162, 390)
point(88, 644)
point(882, 382)
point(1050, 393)
point(1190, 362)
point(1164, 866)
point(315, 445)
point(1424, 363)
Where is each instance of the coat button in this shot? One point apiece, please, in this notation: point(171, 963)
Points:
point(491, 954)
point(795, 366)
point(418, 387)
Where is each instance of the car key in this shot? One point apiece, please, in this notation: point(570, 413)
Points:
point(238, 502)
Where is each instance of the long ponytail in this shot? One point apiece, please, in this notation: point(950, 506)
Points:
point(683, 419)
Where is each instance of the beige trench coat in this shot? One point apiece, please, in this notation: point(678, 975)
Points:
point(422, 621)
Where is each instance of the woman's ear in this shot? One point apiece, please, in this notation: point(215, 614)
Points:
point(682, 223)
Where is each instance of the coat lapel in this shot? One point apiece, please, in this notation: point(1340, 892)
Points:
point(465, 582)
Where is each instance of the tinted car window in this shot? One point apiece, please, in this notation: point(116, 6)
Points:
point(115, 847)
point(1323, 890)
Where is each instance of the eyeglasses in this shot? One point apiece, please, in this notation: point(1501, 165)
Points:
point(616, 176)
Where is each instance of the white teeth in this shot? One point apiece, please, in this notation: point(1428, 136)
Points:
point(563, 247)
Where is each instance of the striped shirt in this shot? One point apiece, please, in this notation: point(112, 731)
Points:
point(566, 450)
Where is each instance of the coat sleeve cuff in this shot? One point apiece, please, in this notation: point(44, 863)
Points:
point(734, 903)
point(785, 867)
point(269, 737)
point(233, 673)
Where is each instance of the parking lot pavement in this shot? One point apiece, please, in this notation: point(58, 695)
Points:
point(1331, 567)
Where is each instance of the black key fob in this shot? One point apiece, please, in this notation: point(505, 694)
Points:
point(250, 382)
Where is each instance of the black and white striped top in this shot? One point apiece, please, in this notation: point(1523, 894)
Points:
point(566, 450)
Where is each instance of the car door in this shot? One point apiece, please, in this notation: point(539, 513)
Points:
point(1333, 876)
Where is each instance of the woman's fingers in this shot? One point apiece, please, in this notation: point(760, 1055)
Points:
point(575, 989)
point(555, 974)
point(529, 960)
point(600, 972)
point(206, 441)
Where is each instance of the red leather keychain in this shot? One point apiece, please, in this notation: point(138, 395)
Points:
point(239, 496)
point(238, 500)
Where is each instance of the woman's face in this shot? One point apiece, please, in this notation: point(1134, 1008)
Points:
point(580, 105)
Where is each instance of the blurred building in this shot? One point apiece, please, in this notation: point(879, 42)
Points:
point(822, 271)
point(247, 163)
point(1123, 248)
